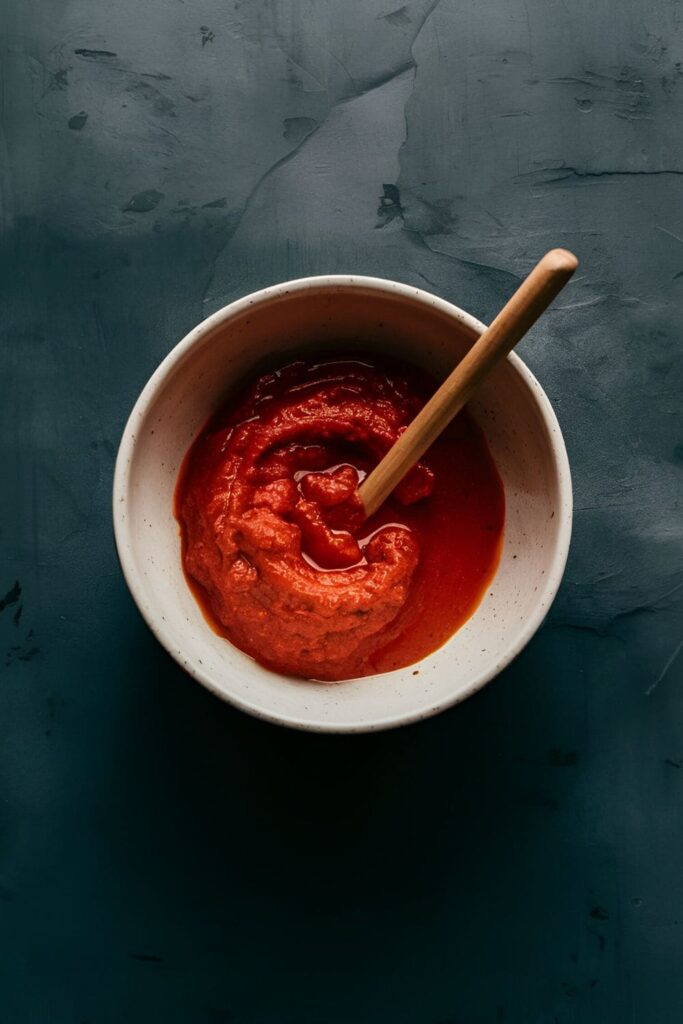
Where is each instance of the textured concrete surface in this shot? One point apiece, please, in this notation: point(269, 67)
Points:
point(163, 858)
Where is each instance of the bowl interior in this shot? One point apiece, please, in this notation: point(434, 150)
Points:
point(330, 315)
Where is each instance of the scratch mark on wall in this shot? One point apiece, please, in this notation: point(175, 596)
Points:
point(665, 231)
point(662, 675)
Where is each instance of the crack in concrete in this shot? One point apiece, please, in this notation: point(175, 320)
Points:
point(367, 87)
point(419, 239)
point(413, 234)
point(567, 173)
point(659, 604)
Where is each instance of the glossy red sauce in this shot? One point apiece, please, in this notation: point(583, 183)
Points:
point(274, 544)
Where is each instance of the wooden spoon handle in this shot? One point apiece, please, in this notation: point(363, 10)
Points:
point(532, 297)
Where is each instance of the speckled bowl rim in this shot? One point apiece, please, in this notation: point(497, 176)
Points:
point(199, 335)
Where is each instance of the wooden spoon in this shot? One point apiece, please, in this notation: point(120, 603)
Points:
point(532, 297)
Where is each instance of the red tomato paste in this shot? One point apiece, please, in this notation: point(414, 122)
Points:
point(274, 543)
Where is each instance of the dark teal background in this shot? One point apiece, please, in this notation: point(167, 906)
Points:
point(518, 860)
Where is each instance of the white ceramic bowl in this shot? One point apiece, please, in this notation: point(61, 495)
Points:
point(330, 313)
